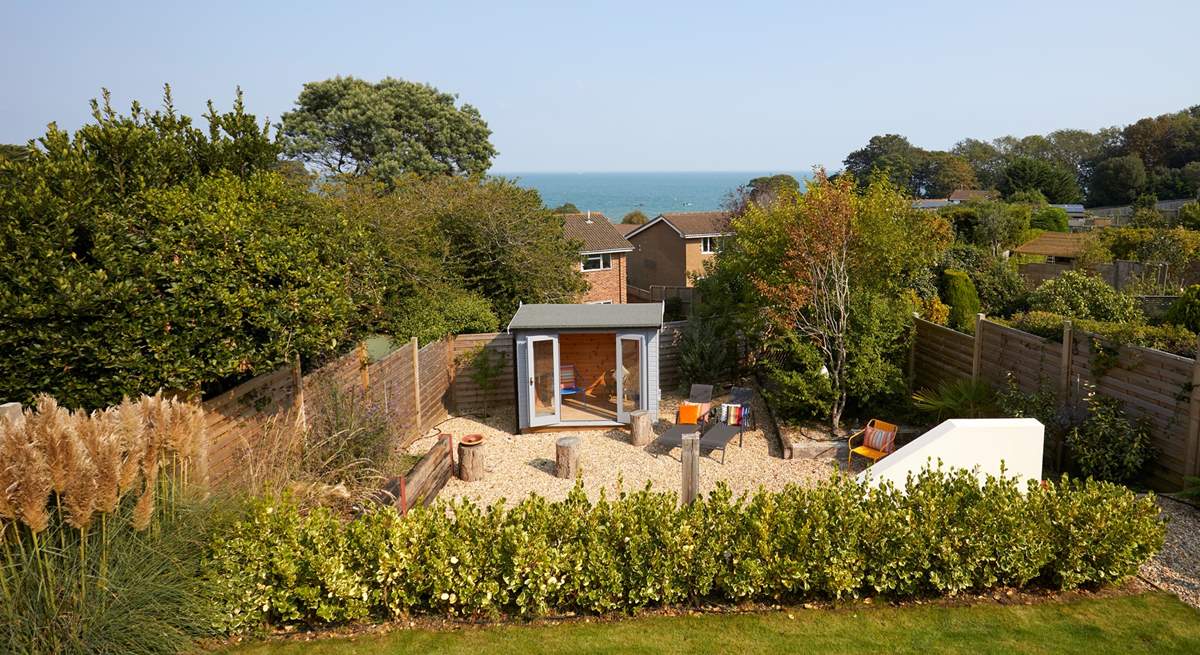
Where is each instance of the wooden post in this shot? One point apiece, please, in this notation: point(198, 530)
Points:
point(566, 457)
point(977, 357)
point(415, 352)
point(1191, 464)
point(470, 462)
point(1064, 377)
point(911, 379)
point(10, 411)
point(451, 373)
point(690, 455)
point(298, 394)
point(640, 431)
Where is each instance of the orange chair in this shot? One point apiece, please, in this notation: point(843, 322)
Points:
point(878, 441)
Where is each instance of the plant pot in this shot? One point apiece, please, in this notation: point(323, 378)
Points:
point(472, 440)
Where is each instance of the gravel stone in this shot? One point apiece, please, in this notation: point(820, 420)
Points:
point(1177, 567)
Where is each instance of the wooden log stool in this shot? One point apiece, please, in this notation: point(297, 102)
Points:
point(470, 458)
point(640, 430)
point(566, 457)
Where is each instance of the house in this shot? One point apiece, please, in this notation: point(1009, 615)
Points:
point(602, 258)
point(672, 248)
point(585, 365)
point(626, 228)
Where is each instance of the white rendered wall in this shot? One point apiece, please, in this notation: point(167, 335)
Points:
point(979, 444)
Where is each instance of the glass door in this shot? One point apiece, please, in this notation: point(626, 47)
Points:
point(542, 364)
point(631, 375)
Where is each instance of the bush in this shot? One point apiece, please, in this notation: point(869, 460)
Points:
point(795, 385)
point(705, 352)
point(1001, 289)
point(1079, 295)
point(963, 398)
point(1185, 311)
point(1053, 219)
point(1108, 446)
point(958, 291)
point(1189, 216)
point(1169, 338)
point(837, 540)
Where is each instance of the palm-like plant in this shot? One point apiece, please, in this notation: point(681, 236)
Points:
point(958, 399)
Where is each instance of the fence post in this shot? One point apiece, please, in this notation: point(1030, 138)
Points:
point(364, 365)
point(298, 394)
point(1191, 464)
point(451, 373)
point(912, 355)
point(415, 353)
point(690, 456)
point(977, 357)
point(1064, 376)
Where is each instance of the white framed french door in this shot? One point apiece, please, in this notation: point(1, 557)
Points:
point(545, 404)
point(630, 375)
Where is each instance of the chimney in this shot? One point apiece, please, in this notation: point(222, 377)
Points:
point(589, 217)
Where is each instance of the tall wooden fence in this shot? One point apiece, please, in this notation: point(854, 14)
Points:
point(1160, 388)
point(414, 388)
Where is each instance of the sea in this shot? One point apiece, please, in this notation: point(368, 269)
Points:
point(616, 194)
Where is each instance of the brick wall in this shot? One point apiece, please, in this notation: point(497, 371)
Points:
point(607, 285)
point(694, 259)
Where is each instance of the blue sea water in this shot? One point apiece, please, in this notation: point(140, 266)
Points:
point(615, 194)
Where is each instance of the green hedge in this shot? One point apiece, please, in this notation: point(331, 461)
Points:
point(834, 541)
point(1170, 338)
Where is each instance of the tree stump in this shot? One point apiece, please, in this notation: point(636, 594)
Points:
point(566, 457)
point(640, 430)
point(470, 462)
point(10, 411)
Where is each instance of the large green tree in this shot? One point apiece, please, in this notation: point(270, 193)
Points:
point(143, 252)
point(1117, 181)
point(1054, 181)
point(346, 125)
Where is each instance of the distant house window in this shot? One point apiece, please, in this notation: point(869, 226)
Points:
point(710, 245)
point(600, 302)
point(601, 262)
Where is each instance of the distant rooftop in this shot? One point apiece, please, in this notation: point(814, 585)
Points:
point(547, 316)
point(596, 233)
point(966, 195)
point(1067, 245)
point(691, 225)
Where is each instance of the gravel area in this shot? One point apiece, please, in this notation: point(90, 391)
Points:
point(517, 465)
point(1177, 567)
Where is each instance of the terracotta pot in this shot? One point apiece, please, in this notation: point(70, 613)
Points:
point(472, 440)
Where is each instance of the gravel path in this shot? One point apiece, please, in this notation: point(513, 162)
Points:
point(1177, 567)
point(517, 465)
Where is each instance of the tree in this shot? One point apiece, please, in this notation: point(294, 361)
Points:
point(1117, 181)
point(764, 190)
point(1079, 295)
point(890, 153)
point(958, 291)
point(142, 253)
point(1055, 182)
point(346, 125)
point(9, 152)
point(566, 208)
point(1189, 216)
point(635, 217)
point(994, 225)
point(941, 173)
point(1053, 219)
point(985, 159)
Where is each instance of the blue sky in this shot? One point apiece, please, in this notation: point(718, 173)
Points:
point(641, 86)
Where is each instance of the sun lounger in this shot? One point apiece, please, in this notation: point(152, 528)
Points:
point(718, 437)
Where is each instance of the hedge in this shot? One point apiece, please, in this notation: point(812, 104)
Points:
point(1170, 338)
point(838, 540)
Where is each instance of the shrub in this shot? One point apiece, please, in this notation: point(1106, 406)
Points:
point(705, 352)
point(100, 539)
point(1189, 216)
point(1053, 219)
point(1169, 338)
point(1079, 295)
point(1185, 311)
point(1001, 289)
point(1108, 446)
point(795, 385)
point(958, 291)
point(837, 540)
point(963, 398)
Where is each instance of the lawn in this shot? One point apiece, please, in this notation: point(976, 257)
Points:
point(1145, 623)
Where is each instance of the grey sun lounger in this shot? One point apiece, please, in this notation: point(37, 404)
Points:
point(718, 437)
point(673, 437)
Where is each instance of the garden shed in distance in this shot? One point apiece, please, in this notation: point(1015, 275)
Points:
point(585, 365)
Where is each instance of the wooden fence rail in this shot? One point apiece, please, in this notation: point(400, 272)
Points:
point(1159, 388)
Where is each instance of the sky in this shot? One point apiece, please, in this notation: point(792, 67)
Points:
point(630, 86)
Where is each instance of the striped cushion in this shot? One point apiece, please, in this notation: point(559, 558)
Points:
point(877, 439)
point(566, 376)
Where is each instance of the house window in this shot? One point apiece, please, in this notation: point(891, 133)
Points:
point(601, 262)
point(710, 245)
point(600, 302)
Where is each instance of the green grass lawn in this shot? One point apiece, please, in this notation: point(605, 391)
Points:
point(1145, 623)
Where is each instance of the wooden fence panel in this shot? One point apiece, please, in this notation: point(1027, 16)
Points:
point(240, 414)
point(669, 377)
point(1026, 359)
point(940, 355)
point(468, 396)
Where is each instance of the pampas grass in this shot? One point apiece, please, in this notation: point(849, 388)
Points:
point(77, 491)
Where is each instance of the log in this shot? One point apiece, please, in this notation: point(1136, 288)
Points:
point(470, 462)
point(640, 430)
point(566, 457)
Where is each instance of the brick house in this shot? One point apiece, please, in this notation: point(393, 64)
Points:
point(601, 258)
point(672, 248)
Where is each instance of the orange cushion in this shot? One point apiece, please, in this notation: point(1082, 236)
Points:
point(689, 413)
